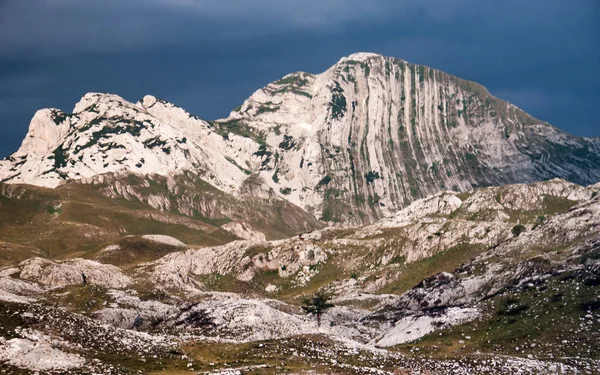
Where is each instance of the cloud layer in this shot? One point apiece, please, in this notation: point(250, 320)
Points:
point(50, 27)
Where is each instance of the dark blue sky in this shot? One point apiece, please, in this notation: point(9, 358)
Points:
point(209, 55)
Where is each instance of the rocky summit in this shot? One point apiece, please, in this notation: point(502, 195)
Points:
point(378, 218)
point(351, 145)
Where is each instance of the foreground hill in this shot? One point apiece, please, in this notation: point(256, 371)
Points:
point(351, 145)
point(496, 280)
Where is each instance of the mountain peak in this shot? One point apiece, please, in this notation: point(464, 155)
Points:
point(362, 56)
point(46, 128)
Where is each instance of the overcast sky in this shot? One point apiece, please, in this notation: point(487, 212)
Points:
point(207, 56)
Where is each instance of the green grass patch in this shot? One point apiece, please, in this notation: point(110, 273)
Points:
point(412, 273)
point(547, 321)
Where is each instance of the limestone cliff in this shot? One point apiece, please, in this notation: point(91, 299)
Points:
point(351, 145)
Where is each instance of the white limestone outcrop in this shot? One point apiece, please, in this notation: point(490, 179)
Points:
point(244, 231)
point(73, 271)
point(351, 145)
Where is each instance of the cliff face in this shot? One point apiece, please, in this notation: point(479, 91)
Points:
point(372, 134)
point(351, 145)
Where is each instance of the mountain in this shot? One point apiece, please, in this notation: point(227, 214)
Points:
point(374, 133)
point(138, 238)
point(351, 145)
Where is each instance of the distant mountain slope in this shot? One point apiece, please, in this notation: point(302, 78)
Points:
point(84, 216)
point(105, 133)
point(351, 145)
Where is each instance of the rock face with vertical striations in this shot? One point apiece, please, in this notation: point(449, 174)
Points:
point(372, 134)
point(351, 145)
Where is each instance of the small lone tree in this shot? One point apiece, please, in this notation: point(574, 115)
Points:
point(518, 229)
point(317, 305)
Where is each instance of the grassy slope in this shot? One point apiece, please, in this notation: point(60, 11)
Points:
point(86, 221)
point(547, 321)
point(78, 220)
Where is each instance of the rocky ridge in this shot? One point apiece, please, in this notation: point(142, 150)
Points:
point(353, 144)
point(482, 219)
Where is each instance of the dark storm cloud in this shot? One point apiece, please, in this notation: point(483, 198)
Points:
point(207, 56)
point(38, 27)
point(46, 27)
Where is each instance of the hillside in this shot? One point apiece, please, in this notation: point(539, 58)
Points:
point(85, 215)
point(447, 285)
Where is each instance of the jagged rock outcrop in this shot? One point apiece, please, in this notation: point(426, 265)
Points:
point(351, 145)
point(243, 259)
point(129, 312)
point(418, 325)
point(244, 320)
point(16, 290)
point(105, 133)
point(73, 272)
point(37, 354)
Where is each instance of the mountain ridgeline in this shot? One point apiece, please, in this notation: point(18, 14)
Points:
point(351, 145)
